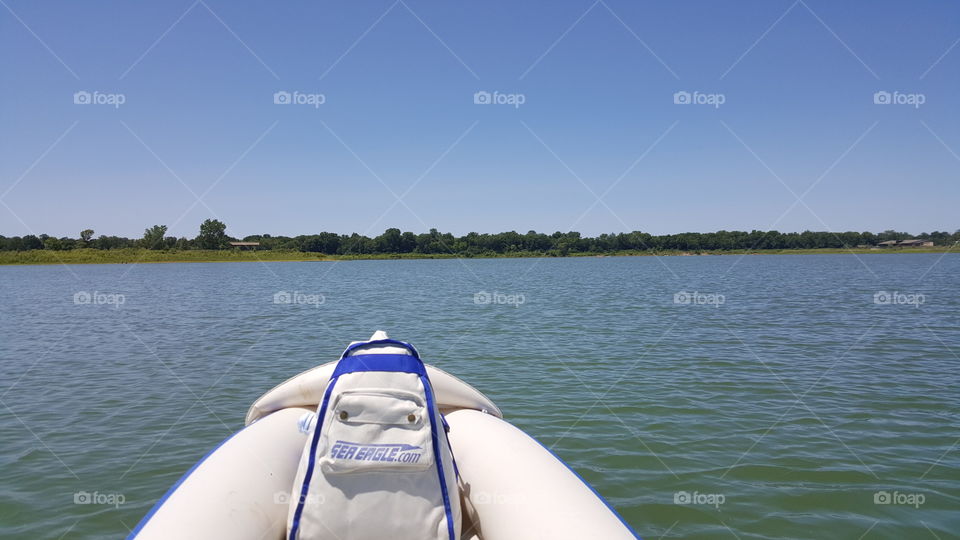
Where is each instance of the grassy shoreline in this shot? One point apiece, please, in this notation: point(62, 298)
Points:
point(134, 256)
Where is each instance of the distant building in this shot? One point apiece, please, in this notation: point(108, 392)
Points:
point(242, 245)
point(913, 242)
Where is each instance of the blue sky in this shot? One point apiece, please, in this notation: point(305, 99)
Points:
point(797, 81)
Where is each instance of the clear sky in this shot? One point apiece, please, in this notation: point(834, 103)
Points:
point(788, 91)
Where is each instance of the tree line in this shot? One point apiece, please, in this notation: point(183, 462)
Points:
point(212, 235)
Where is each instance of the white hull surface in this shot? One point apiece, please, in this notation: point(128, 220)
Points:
point(511, 486)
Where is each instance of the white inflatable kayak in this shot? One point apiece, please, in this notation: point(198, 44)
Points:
point(512, 487)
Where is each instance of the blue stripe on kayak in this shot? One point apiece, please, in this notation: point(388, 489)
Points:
point(591, 488)
point(170, 492)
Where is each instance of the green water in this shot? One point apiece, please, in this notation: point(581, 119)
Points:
point(779, 401)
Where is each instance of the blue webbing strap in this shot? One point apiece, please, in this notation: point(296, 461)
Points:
point(396, 363)
point(446, 433)
point(428, 390)
point(295, 528)
point(394, 342)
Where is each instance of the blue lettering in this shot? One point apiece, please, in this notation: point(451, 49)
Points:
point(402, 453)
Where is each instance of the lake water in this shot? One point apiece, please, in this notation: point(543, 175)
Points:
point(704, 397)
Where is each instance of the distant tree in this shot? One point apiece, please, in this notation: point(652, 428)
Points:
point(408, 242)
point(331, 242)
point(30, 241)
point(14, 243)
point(939, 238)
point(153, 237)
point(51, 243)
point(890, 234)
point(389, 241)
point(310, 244)
point(212, 234)
point(117, 242)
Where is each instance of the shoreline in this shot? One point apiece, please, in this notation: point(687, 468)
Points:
point(144, 256)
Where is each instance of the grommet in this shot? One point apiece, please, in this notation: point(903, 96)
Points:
point(411, 418)
point(343, 415)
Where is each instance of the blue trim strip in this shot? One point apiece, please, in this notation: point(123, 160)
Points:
point(397, 363)
point(446, 433)
point(591, 488)
point(294, 529)
point(395, 342)
point(437, 458)
point(173, 488)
